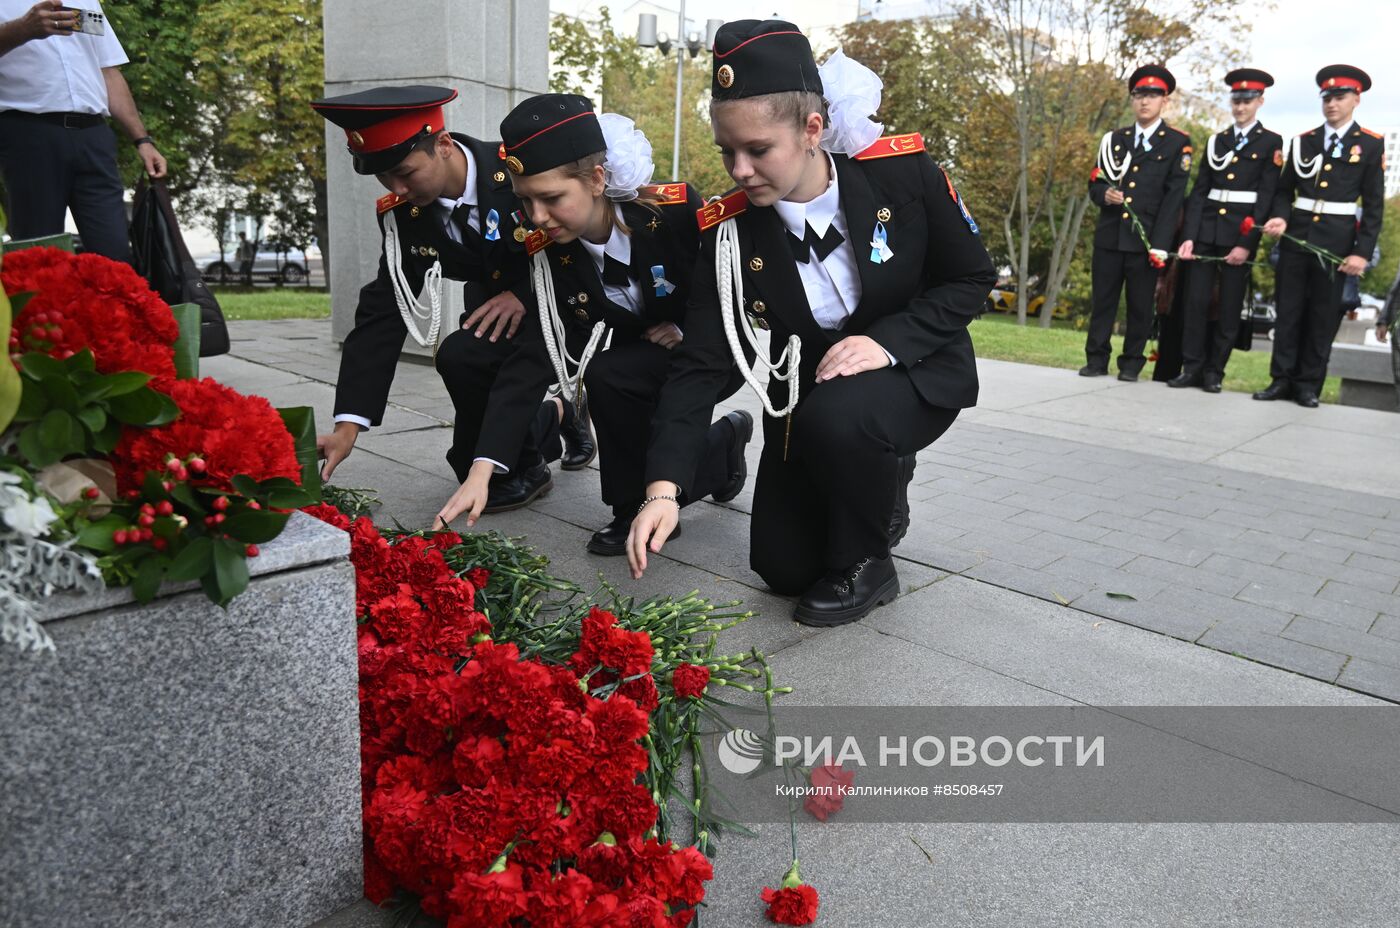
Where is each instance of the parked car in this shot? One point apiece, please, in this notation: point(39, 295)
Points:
point(274, 261)
point(1002, 299)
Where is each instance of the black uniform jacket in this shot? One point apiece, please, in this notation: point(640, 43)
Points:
point(916, 305)
point(663, 236)
point(371, 350)
point(1255, 167)
point(1155, 187)
point(1358, 172)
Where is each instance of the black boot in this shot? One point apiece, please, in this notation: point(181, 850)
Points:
point(1093, 370)
point(742, 424)
point(899, 519)
point(577, 432)
point(1186, 379)
point(849, 595)
point(1276, 390)
point(1306, 398)
point(518, 488)
point(611, 539)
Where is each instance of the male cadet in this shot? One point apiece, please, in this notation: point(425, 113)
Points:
point(1329, 168)
point(1237, 179)
point(1142, 169)
point(450, 213)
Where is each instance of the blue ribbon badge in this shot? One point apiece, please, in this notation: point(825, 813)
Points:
point(658, 280)
point(880, 250)
point(493, 226)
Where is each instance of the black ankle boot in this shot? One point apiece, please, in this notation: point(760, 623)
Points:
point(899, 519)
point(577, 433)
point(849, 595)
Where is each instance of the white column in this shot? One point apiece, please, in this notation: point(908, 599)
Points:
point(494, 54)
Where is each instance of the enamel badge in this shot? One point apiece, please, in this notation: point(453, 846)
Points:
point(880, 250)
point(658, 280)
point(493, 226)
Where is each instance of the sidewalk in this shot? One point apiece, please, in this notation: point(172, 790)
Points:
point(1237, 528)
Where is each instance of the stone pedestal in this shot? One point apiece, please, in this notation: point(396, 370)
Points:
point(495, 55)
point(179, 764)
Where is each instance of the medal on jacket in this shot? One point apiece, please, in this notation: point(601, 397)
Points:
point(880, 250)
point(493, 226)
point(658, 280)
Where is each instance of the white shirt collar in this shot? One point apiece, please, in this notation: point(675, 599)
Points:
point(1245, 131)
point(468, 197)
point(819, 212)
point(1149, 131)
point(618, 245)
point(1328, 131)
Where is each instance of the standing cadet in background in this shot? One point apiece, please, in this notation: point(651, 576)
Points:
point(1328, 170)
point(1236, 180)
point(1142, 169)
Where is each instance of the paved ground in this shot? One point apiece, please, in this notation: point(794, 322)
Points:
point(1253, 540)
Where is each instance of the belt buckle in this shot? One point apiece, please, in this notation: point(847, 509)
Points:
point(69, 121)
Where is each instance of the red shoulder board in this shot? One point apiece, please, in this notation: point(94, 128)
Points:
point(387, 202)
point(716, 211)
point(665, 194)
point(536, 240)
point(892, 145)
point(1374, 135)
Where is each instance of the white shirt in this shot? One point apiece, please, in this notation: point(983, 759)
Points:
point(1328, 133)
point(619, 248)
point(468, 199)
point(59, 74)
point(1238, 131)
point(1145, 135)
point(833, 285)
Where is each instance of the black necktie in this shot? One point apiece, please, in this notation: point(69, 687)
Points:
point(615, 273)
point(1334, 145)
point(1137, 145)
point(823, 246)
point(462, 218)
point(1240, 138)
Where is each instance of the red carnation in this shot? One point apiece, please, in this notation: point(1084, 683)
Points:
point(689, 680)
point(795, 903)
point(830, 784)
point(235, 434)
point(1246, 225)
point(1094, 174)
point(329, 515)
point(1156, 260)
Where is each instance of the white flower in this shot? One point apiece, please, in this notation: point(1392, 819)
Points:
point(628, 165)
point(29, 517)
point(852, 94)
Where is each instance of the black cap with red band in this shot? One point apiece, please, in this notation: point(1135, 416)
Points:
point(1342, 78)
point(1248, 83)
point(756, 57)
point(1151, 77)
point(384, 123)
point(549, 130)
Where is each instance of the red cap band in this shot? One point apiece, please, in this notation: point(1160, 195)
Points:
point(1151, 83)
point(394, 131)
point(1248, 85)
point(1341, 83)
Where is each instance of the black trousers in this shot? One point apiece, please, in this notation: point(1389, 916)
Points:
point(1113, 271)
point(829, 504)
point(1206, 348)
point(623, 385)
point(49, 169)
point(1309, 306)
point(468, 366)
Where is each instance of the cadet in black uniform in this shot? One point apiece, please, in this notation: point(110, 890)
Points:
point(613, 258)
point(448, 214)
point(866, 270)
point(1236, 180)
point(1145, 166)
point(1327, 171)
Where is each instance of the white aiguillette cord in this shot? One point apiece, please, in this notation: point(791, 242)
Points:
point(1305, 169)
point(730, 277)
point(1112, 169)
point(555, 339)
point(411, 307)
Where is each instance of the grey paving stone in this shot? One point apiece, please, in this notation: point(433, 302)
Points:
point(972, 522)
point(1361, 597)
point(1086, 487)
point(1166, 550)
point(1326, 610)
point(1290, 577)
point(1154, 616)
point(1387, 626)
point(1107, 555)
point(1344, 640)
point(1069, 507)
point(1223, 608)
point(1059, 526)
point(1137, 526)
point(1347, 542)
point(1369, 579)
point(1178, 575)
point(979, 507)
point(1265, 541)
point(1381, 566)
point(1218, 530)
point(1024, 554)
point(1262, 523)
point(1274, 651)
point(1370, 677)
point(1031, 582)
point(1105, 579)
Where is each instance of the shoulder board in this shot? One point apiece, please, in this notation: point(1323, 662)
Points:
point(1303, 135)
point(1179, 131)
point(387, 202)
point(893, 145)
point(1374, 135)
point(665, 194)
point(716, 211)
point(536, 241)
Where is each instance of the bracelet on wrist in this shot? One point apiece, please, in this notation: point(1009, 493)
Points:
point(144, 140)
point(652, 499)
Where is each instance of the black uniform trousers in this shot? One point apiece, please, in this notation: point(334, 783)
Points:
point(468, 366)
point(1205, 348)
point(829, 504)
point(49, 169)
point(1309, 307)
point(624, 384)
point(1114, 271)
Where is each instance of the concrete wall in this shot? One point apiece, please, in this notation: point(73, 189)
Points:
point(494, 54)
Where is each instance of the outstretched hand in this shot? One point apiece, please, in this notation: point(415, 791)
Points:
point(653, 525)
point(470, 497)
point(336, 446)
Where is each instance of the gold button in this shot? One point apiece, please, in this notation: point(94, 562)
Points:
point(1317, 219)
point(1135, 167)
point(495, 275)
point(499, 176)
point(1125, 215)
point(1327, 167)
point(1132, 183)
point(1235, 160)
point(433, 252)
point(755, 263)
point(1229, 177)
point(758, 306)
point(1255, 155)
point(583, 298)
point(761, 323)
point(1323, 184)
point(1127, 199)
point(1222, 211)
point(883, 214)
point(582, 314)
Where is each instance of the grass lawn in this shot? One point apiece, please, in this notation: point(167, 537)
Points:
point(271, 303)
point(997, 336)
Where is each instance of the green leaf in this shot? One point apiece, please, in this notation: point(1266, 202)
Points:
point(193, 562)
point(35, 449)
point(293, 498)
point(246, 486)
point(18, 300)
point(182, 493)
point(148, 577)
point(61, 393)
point(1125, 596)
point(301, 422)
point(106, 439)
point(94, 417)
point(40, 366)
point(143, 406)
point(82, 361)
point(61, 433)
point(187, 345)
point(230, 569)
point(63, 240)
point(33, 401)
point(114, 385)
point(255, 526)
point(98, 535)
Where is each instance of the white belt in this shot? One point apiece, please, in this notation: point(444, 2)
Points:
point(1330, 207)
point(1233, 196)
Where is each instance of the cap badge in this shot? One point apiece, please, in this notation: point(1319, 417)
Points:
point(357, 140)
point(725, 76)
point(514, 164)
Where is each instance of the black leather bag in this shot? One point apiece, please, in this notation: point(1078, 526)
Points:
point(159, 254)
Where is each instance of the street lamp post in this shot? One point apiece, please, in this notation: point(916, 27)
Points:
point(648, 37)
